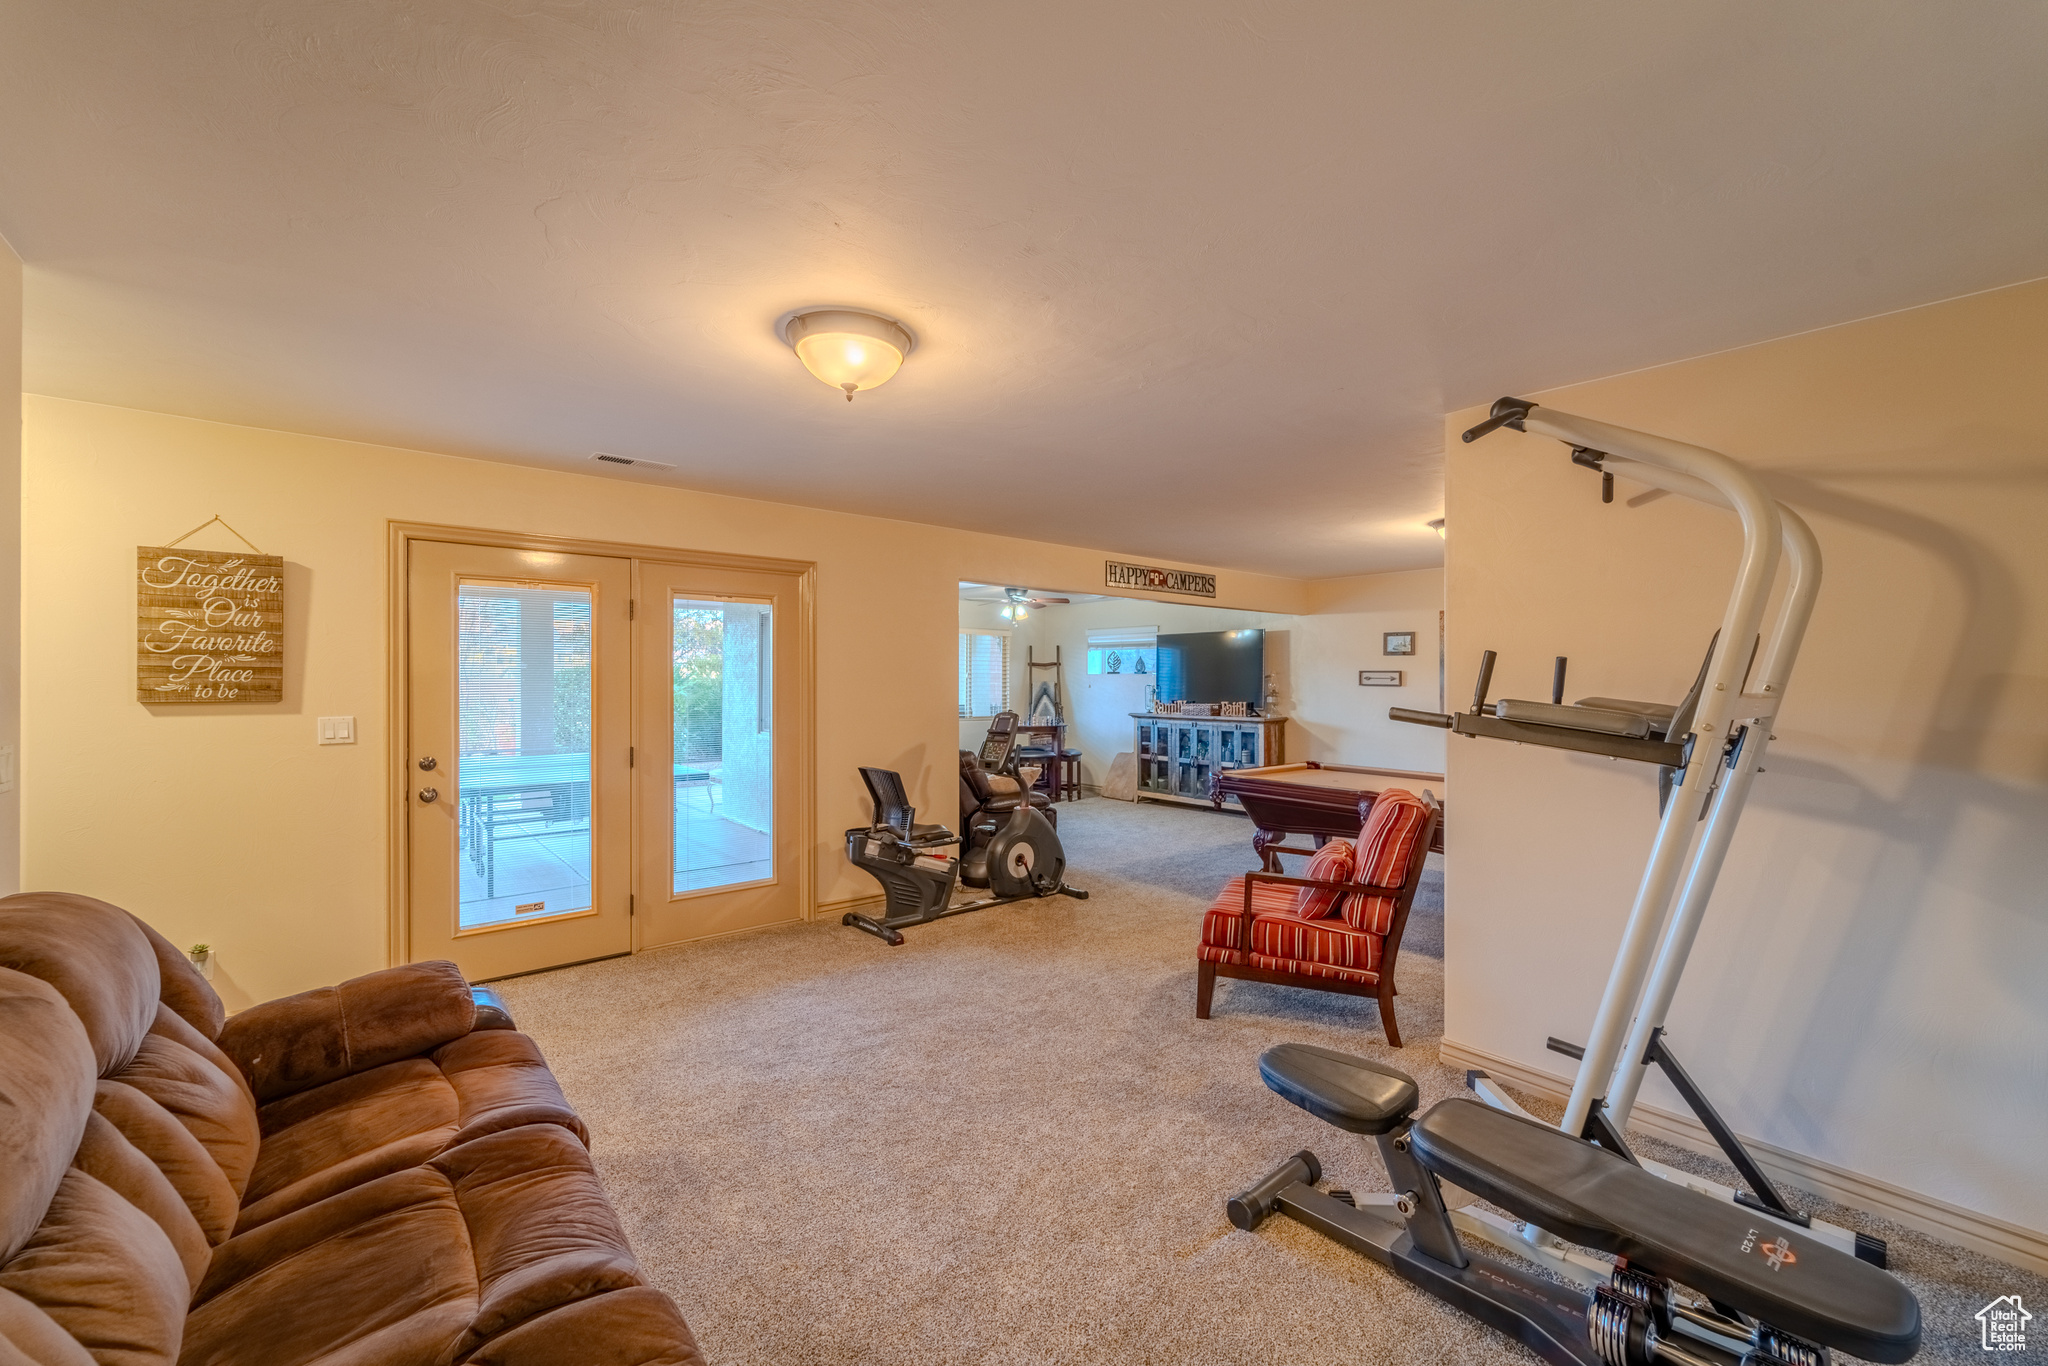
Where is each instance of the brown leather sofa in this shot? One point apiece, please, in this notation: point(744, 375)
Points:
point(368, 1173)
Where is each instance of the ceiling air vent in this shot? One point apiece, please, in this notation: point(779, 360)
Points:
point(602, 458)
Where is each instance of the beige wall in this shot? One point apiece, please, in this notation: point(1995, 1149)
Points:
point(1871, 986)
point(229, 824)
point(10, 562)
point(1332, 718)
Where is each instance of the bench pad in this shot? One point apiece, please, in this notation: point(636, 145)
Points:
point(1339, 1088)
point(1595, 1198)
point(1597, 719)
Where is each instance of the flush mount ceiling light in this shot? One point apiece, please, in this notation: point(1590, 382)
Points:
point(847, 348)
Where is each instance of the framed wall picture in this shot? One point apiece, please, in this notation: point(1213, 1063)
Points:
point(1399, 643)
point(209, 626)
point(1384, 678)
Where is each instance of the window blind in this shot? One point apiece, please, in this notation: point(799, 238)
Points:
point(984, 673)
point(523, 670)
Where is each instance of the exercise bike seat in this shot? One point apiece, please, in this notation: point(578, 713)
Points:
point(923, 834)
point(1338, 1088)
point(1601, 1200)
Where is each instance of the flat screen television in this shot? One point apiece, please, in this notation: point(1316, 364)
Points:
point(1212, 666)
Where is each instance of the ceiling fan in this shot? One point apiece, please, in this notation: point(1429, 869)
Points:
point(1020, 599)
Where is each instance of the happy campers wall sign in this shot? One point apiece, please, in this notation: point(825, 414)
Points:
point(209, 626)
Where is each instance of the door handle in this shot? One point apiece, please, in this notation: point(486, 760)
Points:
point(428, 794)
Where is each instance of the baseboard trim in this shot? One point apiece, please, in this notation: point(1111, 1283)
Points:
point(832, 910)
point(1994, 1237)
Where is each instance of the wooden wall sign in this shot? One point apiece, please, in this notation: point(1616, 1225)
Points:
point(209, 626)
point(1120, 575)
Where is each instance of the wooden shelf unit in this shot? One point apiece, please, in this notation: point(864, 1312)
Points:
point(1180, 756)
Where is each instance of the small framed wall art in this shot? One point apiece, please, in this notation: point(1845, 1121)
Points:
point(1383, 678)
point(1398, 643)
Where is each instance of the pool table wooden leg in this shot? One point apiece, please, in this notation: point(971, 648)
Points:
point(1260, 840)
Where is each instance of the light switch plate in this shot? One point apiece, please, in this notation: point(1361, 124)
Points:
point(337, 730)
point(6, 768)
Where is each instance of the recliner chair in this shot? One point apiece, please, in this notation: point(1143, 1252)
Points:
point(986, 802)
point(984, 794)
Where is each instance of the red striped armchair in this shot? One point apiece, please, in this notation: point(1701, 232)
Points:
point(1337, 929)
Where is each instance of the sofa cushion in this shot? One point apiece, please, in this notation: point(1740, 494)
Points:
point(637, 1327)
point(96, 956)
point(173, 1149)
point(543, 1233)
point(34, 1337)
point(429, 1263)
point(178, 1030)
point(382, 1273)
point(298, 1042)
point(364, 1126)
point(46, 1072)
point(501, 1081)
point(109, 1158)
point(348, 1132)
point(1333, 862)
point(207, 1099)
point(1386, 848)
point(103, 1272)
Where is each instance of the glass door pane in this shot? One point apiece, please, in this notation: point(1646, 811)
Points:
point(723, 793)
point(523, 702)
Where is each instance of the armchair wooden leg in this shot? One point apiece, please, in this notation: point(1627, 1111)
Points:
point(1387, 1014)
point(1205, 988)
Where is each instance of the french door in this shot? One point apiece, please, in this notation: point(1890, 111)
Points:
point(519, 763)
point(602, 754)
point(717, 745)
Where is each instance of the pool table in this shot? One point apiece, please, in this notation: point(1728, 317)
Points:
point(1313, 799)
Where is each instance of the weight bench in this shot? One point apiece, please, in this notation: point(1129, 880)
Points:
point(1802, 1294)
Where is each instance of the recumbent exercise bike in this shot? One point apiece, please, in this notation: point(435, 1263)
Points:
point(1016, 857)
point(1652, 1266)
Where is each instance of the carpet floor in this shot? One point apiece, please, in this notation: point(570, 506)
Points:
point(1009, 1140)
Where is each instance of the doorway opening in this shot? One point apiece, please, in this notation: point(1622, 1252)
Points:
point(1117, 660)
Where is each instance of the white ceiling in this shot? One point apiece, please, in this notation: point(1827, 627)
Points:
point(1197, 281)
